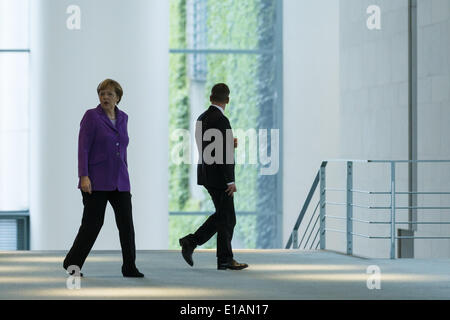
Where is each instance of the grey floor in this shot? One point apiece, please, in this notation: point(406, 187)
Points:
point(273, 274)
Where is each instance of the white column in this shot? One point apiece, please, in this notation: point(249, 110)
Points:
point(123, 40)
point(310, 97)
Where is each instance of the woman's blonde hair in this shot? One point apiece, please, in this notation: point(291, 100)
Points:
point(107, 83)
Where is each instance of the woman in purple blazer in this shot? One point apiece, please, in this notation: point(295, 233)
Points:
point(103, 173)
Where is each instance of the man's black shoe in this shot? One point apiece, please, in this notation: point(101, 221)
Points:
point(132, 273)
point(187, 248)
point(233, 265)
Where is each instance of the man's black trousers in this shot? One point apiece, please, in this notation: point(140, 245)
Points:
point(222, 222)
point(93, 217)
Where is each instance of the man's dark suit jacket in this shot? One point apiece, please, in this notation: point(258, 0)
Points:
point(219, 173)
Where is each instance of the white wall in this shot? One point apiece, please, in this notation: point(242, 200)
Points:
point(123, 40)
point(311, 97)
point(374, 111)
point(433, 124)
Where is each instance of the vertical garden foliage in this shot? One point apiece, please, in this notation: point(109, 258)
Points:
point(231, 24)
point(178, 103)
point(267, 185)
point(179, 119)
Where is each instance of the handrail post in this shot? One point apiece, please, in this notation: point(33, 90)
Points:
point(295, 239)
point(322, 206)
point(392, 209)
point(349, 208)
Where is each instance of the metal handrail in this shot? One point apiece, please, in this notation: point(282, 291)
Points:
point(392, 208)
point(307, 228)
point(385, 192)
point(294, 235)
point(205, 213)
point(318, 243)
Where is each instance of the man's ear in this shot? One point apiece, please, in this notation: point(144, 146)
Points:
point(228, 100)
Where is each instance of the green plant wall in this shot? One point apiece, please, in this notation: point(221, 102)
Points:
point(231, 24)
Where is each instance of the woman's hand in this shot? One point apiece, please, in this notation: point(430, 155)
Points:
point(85, 184)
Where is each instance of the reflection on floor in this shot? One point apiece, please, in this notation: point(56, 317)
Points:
point(273, 274)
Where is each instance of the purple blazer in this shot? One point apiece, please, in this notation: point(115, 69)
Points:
point(102, 150)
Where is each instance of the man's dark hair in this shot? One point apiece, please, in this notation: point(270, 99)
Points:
point(220, 92)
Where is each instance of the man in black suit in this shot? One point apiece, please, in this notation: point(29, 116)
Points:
point(215, 171)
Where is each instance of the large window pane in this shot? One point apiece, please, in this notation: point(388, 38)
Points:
point(14, 24)
point(14, 131)
point(230, 24)
point(14, 171)
point(235, 42)
point(14, 91)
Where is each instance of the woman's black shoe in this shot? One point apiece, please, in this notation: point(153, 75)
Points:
point(132, 273)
